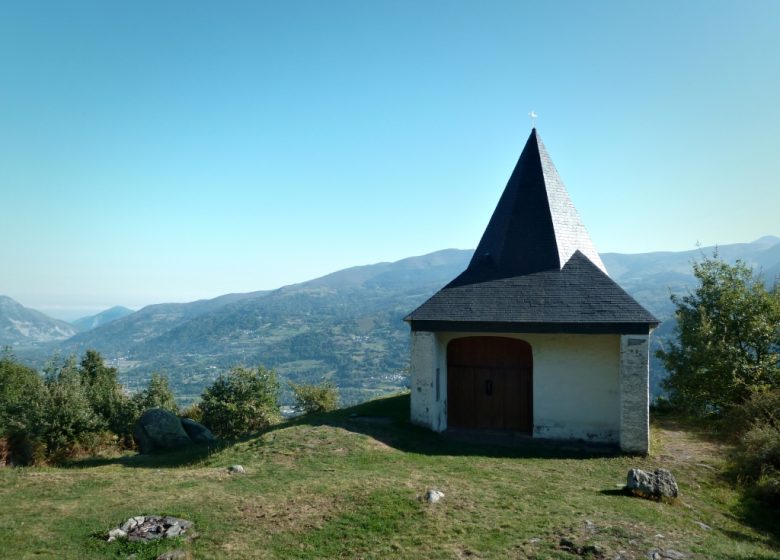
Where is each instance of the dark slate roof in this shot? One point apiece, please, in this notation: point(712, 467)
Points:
point(578, 298)
point(535, 269)
point(535, 226)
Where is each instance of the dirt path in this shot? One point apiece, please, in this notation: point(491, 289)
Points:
point(684, 446)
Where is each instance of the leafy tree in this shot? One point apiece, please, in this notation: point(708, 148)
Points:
point(21, 390)
point(311, 399)
point(106, 395)
point(241, 402)
point(728, 345)
point(157, 394)
point(68, 417)
point(21, 407)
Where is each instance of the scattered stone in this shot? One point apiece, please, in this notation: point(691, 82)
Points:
point(132, 523)
point(657, 484)
point(177, 554)
point(566, 543)
point(150, 528)
point(670, 554)
point(198, 432)
point(159, 430)
point(432, 496)
point(593, 550)
point(703, 525)
point(588, 550)
point(236, 469)
point(534, 540)
point(115, 534)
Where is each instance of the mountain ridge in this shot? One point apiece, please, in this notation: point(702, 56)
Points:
point(347, 325)
point(22, 326)
point(104, 317)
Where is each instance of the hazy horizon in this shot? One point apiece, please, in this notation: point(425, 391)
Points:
point(158, 152)
point(72, 313)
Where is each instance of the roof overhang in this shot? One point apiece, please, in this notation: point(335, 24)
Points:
point(544, 328)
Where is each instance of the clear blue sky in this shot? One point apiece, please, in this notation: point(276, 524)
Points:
point(158, 151)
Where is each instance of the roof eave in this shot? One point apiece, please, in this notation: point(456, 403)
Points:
point(601, 327)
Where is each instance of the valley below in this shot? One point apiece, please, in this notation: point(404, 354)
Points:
point(346, 327)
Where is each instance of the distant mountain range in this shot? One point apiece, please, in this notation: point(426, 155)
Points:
point(346, 326)
point(100, 319)
point(22, 326)
point(650, 277)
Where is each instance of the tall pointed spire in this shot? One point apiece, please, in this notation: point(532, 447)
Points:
point(535, 269)
point(535, 226)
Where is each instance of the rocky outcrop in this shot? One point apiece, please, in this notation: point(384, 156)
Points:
point(657, 484)
point(151, 528)
point(197, 431)
point(161, 430)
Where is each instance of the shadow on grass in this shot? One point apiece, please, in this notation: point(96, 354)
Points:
point(761, 517)
point(387, 421)
point(618, 492)
point(188, 456)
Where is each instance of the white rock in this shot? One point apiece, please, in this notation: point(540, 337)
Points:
point(115, 534)
point(432, 496)
point(236, 469)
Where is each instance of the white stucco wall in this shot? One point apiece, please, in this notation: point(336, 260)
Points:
point(428, 375)
point(576, 383)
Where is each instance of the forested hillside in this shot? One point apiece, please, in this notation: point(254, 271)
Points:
point(347, 326)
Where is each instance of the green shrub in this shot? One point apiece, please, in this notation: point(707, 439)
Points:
point(241, 402)
point(21, 398)
point(157, 394)
point(756, 459)
point(193, 412)
point(108, 398)
point(68, 418)
point(728, 343)
point(311, 399)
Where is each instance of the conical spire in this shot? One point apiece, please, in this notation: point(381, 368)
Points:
point(535, 226)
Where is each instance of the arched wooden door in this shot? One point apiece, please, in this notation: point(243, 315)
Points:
point(490, 383)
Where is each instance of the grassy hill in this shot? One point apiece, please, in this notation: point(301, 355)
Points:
point(347, 485)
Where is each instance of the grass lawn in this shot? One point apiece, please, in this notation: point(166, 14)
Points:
point(348, 485)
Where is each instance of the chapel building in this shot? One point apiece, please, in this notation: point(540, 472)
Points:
point(534, 337)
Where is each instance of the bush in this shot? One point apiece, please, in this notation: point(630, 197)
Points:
point(756, 459)
point(157, 394)
point(193, 412)
point(106, 395)
point(68, 418)
point(21, 399)
point(727, 340)
point(241, 402)
point(311, 399)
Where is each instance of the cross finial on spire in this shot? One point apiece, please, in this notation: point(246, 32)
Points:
point(533, 116)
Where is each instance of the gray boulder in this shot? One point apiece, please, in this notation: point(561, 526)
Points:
point(657, 484)
point(159, 430)
point(198, 432)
